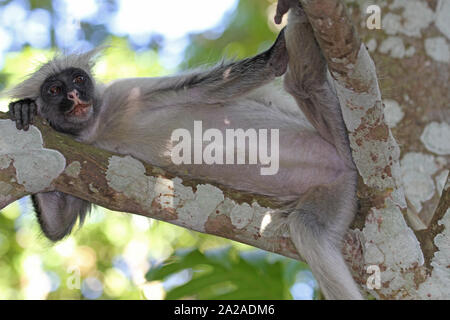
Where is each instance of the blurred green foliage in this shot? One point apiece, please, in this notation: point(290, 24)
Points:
point(225, 274)
point(122, 256)
point(248, 31)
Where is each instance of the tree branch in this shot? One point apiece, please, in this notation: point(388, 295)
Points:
point(382, 237)
point(44, 160)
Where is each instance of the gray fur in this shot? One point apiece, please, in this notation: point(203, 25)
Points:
point(57, 213)
point(316, 178)
point(324, 213)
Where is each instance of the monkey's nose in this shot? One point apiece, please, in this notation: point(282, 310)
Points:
point(73, 95)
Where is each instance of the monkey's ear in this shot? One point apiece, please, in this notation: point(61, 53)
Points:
point(58, 212)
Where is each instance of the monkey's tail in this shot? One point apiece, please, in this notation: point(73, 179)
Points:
point(325, 259)
point(317, 227)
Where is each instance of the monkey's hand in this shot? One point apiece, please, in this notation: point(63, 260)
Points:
point(23, 112)
point(283, 6)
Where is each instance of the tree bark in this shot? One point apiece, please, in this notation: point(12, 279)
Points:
point(412, 254)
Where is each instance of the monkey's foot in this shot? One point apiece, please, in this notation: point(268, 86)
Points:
point(283, 6)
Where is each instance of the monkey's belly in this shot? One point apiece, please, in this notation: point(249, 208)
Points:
point(304, 160)
point(299, 168)
point(279, 155)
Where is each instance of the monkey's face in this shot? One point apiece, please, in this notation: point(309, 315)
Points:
point(68, 99)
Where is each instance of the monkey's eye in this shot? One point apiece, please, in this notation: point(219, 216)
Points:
point(78, 79)
point(54, 90)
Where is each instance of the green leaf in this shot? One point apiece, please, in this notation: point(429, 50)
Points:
point(225, 274)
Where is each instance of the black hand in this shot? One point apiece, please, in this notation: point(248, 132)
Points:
point(23, 112)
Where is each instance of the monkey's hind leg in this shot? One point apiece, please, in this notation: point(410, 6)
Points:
point(308, 82)
point(58, 212)
point(317, 227)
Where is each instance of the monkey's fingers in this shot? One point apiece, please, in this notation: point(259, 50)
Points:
point(11, 111)
point(33, 112)
point(23, 113)
point(25, 116)
point(18, 115)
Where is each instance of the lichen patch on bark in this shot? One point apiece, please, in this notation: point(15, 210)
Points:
point(435, 137)
point(73, 169)
point(36, 167)
point(433, 287)
point(388, 241)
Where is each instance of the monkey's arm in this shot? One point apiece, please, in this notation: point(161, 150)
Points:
point(58, 212)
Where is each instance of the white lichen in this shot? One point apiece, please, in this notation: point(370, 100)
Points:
point(410, 52)
point(443, 17)
point(388, 240)
point(371, 45)
point(436, 286)
point(367, 105)
point(241, 216)
point(393, 113)
point(441, 179)
point(393, 45)
point(356, 104)
point(197, 211)
point(415, 16)
point(36, 167)
point(127, 175)
point(417, 172)
point(73, 169)
point(372, 254)
point(191, 209)
point(436, 138)
point(438, 49)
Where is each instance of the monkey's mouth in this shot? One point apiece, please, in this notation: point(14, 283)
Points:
point(79, 109)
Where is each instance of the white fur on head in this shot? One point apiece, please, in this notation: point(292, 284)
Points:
point(30, 88)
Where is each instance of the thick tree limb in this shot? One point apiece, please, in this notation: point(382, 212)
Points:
point(384, 239)
point(44, 160)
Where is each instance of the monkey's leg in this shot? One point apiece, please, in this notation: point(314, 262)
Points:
point(307, 81)
point(227, 81)
point(317, 227)
point(234, 79)
point(57, 213)
point(325, 213)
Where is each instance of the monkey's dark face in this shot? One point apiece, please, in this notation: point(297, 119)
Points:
point(68, 99)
